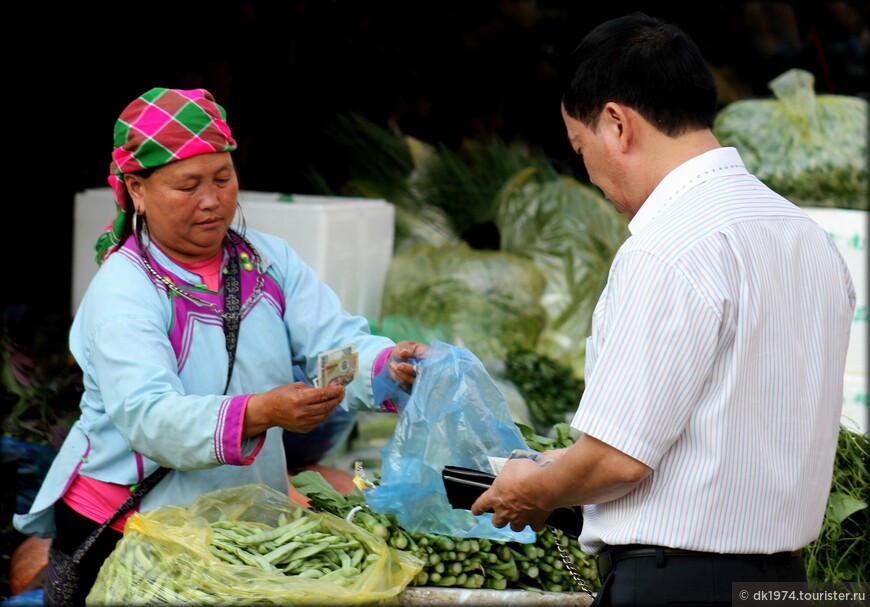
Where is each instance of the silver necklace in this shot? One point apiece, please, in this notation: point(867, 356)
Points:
point(258, 288)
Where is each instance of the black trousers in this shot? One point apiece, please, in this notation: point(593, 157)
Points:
point(690, 579)
point(72, 529)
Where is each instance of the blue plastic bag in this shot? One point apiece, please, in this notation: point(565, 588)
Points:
point(32, 598)
point(455, 415)
point(32, 461)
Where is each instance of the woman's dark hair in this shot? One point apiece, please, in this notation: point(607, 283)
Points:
point(131, 209)
point(649, 65)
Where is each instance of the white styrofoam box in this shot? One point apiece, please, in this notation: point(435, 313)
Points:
point(348, 241)
point(94, 211)
point(855, 409)
point(848, 229)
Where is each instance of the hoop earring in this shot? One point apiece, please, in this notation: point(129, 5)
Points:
point(240, 215)
point(135, 224)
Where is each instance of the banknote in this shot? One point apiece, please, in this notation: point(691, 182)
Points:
point(337, 367)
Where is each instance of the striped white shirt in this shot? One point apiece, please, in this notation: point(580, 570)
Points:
point(716, 358)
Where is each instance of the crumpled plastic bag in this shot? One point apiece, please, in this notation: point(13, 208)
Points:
point(456, 416)
point(811, 148)
point(572, 233)
point(164, 558)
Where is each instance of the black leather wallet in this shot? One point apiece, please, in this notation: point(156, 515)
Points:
point(464, 486)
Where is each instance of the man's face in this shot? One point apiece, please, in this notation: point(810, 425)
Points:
point(597, 152)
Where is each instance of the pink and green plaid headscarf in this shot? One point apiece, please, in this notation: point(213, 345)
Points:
point(161, 126)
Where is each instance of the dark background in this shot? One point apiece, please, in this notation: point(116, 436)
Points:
point(438, 70)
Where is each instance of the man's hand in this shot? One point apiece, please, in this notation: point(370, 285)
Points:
point(588, 472)
point(510, 500)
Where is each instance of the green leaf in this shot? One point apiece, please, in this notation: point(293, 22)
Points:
point(312, 485)
point(841, 506)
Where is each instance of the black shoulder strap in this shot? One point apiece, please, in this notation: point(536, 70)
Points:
point(138, 491)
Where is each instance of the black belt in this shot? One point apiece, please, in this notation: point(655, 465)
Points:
point(613, 554)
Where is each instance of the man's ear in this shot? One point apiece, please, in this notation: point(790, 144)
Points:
point(619, 124)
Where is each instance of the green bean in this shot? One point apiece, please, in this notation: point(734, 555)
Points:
point(357, 557)
point(309, 550)
point(282, 552)
point(311, 573)
point(283, 533)
point(224, 554)
point(344, 572)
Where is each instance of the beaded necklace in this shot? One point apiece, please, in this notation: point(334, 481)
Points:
point(236, 257)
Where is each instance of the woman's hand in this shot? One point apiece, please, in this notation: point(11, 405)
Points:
point(406, 372)
point(297, 407)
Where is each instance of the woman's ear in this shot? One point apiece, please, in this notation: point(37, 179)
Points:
point(134, 189)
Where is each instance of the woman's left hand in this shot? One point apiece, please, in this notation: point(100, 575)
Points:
point(405, 370)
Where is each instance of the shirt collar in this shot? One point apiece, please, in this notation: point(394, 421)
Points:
point(715, 163)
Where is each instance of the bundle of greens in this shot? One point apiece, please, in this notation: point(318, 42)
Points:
point(841, 553)
point(549, 387)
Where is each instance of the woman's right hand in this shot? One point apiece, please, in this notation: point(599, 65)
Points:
point(296, 407)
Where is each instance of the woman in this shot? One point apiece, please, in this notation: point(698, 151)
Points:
point(188, 337)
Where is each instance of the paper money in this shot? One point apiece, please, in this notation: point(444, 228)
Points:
point(337, 367)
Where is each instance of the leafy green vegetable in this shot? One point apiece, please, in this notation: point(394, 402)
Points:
point(572, 233)
point(548, 386)
point(441, 194)
point(841, 553)
point(465, 183)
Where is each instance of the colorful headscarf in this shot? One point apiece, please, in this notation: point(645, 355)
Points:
point(161, 126)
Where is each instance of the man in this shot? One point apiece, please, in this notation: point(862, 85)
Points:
point(714, 371)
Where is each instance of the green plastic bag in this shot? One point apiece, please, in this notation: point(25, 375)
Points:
point(487, 301)
point(810, 148)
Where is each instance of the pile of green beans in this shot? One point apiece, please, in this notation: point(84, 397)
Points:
point(298, 546)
